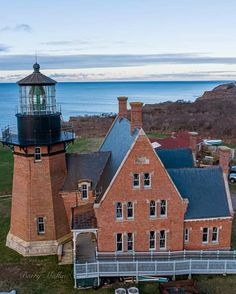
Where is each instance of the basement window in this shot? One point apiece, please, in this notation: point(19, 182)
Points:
point(40, 225)
point(37, 154)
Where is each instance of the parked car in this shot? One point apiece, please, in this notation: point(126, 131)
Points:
point(232, 177)
point(232, 169)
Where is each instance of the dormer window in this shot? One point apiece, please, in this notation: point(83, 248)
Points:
point(84, 187)
point(84, 191)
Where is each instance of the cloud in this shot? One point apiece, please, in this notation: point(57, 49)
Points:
point(24, 62)
point(23, 27)
point(4, 48)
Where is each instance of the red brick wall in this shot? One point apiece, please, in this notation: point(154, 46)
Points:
point(122, 191)
point(195, 235)
point(72, 200)
point(36, 188)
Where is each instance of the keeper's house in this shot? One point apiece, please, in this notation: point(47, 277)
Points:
point(125, 197)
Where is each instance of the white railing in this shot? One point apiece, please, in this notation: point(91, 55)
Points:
point(166, 255)
point(161, 268)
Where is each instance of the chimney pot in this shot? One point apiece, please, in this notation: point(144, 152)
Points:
point(136, 115)
point(224, 158)
point(123, 112)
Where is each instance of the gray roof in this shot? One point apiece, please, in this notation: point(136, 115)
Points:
point(36, 78)
point(176, 158)
point(84, 167)
point(205, 190)
point(118, 141)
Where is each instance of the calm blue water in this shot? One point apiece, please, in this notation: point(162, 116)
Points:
point(100, 97)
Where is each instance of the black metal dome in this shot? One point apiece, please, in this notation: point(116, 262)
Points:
point(36, 78)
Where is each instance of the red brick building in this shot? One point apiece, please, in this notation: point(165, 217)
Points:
point(130, 196)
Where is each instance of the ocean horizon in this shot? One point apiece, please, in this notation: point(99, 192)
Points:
point(96, 98)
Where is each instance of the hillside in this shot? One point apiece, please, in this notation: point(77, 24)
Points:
point(212, 115)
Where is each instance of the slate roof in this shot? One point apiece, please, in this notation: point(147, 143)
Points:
point(118, 141)
point(176, 158)
point(84, 166)
point(205, 190)
point(36, 78)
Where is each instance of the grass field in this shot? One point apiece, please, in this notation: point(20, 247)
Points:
point(38, 275)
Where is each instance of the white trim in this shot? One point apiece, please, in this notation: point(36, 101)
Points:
point(150, 180)
point(122, 239)
point(228, 194)
point(122, 210)
point(217, 239)
point(139, 177)
point(165, 234)
point(163, 215)
point(207, 219)
point(149, 209)
point(132, 242)
point(117, 172)
point(129, 218)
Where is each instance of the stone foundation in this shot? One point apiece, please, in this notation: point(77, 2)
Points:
point(36, 248)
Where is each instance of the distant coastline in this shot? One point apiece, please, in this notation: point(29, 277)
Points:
point(95, 98)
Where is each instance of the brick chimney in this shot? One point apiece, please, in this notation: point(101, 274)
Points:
point(136, 115)
point(123, 112)
point(193, 136)
point(224, 158)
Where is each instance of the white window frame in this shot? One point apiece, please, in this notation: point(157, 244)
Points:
point(149, 179)
point(127, 209)
point(37, 154)
point(151, 239)
point(122, 245)
point(40, 221)
point(161, 239)
point(163, 215)
point(155, 207)
point(86, 189)
point(217, 235)
point(138, 179)
point(128, 241)
point(205, 242)
point(116, 210)
point(186, 235)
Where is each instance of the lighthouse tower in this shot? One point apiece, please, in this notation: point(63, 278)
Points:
point(38, 217)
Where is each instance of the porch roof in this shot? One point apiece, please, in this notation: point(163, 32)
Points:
point(84, 217)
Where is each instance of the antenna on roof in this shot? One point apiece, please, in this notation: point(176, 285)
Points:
point(36, 57)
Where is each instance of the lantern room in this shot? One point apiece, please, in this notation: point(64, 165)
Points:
point(37, 94)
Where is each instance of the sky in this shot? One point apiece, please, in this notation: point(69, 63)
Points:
point(121, 40)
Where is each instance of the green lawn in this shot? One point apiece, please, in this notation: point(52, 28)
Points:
point(84, 145)
point(6, 170)
point(43, 274)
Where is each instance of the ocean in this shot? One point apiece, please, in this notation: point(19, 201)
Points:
point(89, 98)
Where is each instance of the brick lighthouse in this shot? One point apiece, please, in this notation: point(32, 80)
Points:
point(38, 217)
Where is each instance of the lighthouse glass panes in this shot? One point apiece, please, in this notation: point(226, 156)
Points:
point(37, 99)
